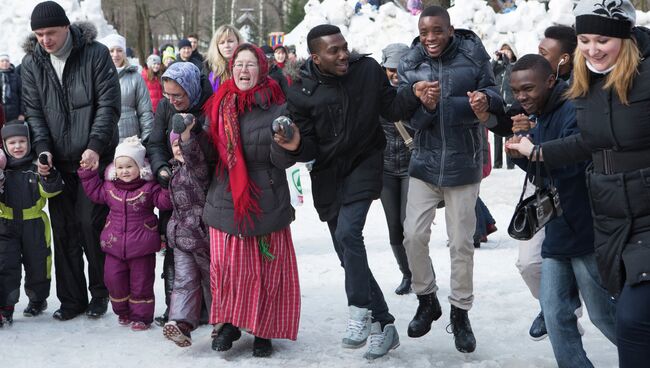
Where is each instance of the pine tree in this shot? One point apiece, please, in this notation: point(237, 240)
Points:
point(295, 15)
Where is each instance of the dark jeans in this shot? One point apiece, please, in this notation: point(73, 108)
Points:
point(498, 154)
point(76, 225)
point(393, 199)
point(633, 326)
point(360, 286)
point(483, 219)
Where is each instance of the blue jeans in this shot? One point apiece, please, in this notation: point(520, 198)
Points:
point(563, 281)
point(360, 286)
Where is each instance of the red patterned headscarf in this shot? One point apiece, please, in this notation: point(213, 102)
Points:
point(223, 109)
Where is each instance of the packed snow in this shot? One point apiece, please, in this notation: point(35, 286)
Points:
point(501, 316)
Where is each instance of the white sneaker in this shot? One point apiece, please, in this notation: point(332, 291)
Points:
point(358, 328)
point(382, 342)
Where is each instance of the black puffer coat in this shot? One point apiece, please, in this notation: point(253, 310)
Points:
point(338, 118)
point(80, 113)
point(396, 155)
point(617, 138)
point(266, 163)
point(447, 141)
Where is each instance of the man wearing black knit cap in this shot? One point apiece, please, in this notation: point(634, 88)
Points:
point(336, 105)
point(72, 104)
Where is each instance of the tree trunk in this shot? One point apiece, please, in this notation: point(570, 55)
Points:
point(144, 37)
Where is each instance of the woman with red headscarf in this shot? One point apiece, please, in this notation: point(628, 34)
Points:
point(253, 270)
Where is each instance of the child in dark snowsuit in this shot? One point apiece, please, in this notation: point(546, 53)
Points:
point(130, 237)
point(187, 235)
point(24, 226)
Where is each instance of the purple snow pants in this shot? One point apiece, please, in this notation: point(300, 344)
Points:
point(191, 286)
point(130, 286)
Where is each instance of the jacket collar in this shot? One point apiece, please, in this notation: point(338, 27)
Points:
point(312, 77)
point(83, 33)
point(556, 99)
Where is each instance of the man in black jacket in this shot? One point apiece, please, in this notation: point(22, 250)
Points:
point(446, 164)
point(336, 105)
point(72, 104)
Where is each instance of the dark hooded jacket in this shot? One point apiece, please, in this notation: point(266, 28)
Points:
point(11, 91)
point(572, 234)
point(617, 138)
point(447, 140)
point(338, 118)
point(80, 113)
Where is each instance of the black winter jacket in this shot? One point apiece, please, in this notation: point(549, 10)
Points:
point(572, 234)
point(11, 90)
point(266, 163)
point(617, 138)
point(396, 155)
point(338, 118)
point(80, 113)
point(159, 150)
point(447, 140)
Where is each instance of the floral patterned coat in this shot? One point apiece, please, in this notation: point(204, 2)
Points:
point(131, 228)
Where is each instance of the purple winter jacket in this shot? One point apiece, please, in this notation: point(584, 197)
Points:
point(188, 187)
point(131, 228)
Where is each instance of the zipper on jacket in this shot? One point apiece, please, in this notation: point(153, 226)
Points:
point(442, 126)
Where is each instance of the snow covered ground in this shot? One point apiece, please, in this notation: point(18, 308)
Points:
point(501, 315)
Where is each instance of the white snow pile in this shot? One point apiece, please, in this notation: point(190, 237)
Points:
point(371, 30)
point(15, 23)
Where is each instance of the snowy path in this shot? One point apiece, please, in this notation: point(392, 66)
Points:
point(501, 315)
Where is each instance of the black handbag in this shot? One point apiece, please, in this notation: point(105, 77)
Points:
point(534, 212)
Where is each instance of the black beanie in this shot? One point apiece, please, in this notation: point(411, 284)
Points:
point(48, 14)
point(184, 43)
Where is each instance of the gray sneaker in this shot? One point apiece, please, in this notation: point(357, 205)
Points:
point(358, 328)
point(382, 342)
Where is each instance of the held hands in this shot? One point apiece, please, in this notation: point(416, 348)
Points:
point(521, 124)
point(44, 169)
point(428, 93)
point(518, 146)
point(478, 101)
point(289, 145)
point(89, 160)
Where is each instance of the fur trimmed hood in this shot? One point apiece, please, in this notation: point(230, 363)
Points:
point(83, 33)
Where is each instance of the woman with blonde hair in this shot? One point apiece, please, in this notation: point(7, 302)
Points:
point(610, 89)
point(222, 46)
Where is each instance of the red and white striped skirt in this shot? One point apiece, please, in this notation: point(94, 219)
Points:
point(251, 292)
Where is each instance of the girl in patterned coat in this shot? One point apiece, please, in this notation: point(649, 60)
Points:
point(130, 237)
point(187, 234)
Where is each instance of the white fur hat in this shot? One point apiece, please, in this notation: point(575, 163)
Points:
point(114, 40)
point(132, 148)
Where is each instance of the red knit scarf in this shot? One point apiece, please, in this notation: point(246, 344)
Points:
point(224, 109)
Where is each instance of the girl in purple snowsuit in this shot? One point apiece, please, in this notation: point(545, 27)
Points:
point(130, 237)
point(187, 234)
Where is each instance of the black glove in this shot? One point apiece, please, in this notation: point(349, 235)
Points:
point(162, 179)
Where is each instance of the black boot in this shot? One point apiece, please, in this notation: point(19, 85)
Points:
point(6, 316)
point(403, 263)
point(97, 307)
point(462, 330)
point(262, 348)
point(35, 308)
point(224, 339)
point(428, 311)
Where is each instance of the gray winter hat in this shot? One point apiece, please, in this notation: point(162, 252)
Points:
point(612, 18)
point(391, 55)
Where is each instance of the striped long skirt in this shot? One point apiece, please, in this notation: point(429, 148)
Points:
point(250, 291)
